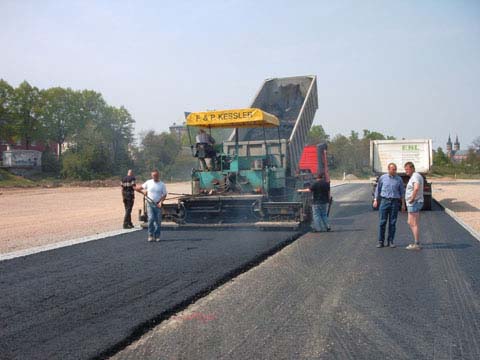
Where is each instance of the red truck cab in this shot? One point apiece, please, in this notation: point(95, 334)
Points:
point(314, 160)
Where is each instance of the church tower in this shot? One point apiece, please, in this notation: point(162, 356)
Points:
point(449, 146)
point(456, 146)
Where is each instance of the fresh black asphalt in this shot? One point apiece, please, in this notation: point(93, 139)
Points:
point(90, 299)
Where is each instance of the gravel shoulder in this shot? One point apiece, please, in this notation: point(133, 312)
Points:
point(462, 197)
point(39, 216)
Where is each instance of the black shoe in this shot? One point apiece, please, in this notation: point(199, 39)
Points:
point(126, 226)
point(131, 226)
point(329, 228)
point(379, 245)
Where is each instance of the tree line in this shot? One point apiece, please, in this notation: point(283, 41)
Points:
point(348, 154)
point(98, 138)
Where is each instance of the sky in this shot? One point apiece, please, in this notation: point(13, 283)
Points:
point(410, 69)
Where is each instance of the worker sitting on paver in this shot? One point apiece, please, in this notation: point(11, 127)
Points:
point(204, 147)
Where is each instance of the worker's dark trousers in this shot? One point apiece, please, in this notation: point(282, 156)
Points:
point(127, 220)
point(388, 212)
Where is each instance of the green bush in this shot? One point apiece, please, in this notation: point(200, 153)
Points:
point(50, 163)
point(88, 161)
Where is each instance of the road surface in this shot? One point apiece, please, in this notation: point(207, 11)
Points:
point(336, 296)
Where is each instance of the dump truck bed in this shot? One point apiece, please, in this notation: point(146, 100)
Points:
point(294, 101)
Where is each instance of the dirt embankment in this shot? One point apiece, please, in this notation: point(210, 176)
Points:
point(39, 216)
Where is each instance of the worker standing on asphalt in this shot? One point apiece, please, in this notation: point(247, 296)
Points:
point(156, 192)
point(128, 195)
point(321, 198)
point(414, 201)
point(390, 192)
point(204, 146)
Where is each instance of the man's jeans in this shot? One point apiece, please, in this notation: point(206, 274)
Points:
point(388, 212)
point(154, 220)
point(128, 203)
point(320, 218)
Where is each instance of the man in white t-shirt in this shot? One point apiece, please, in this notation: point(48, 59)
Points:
point(156, 192)
point(414, 202)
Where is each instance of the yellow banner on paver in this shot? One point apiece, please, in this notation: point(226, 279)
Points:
point(238, 118)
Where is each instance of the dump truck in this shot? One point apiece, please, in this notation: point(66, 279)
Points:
point(254, 176)
point(418, 151)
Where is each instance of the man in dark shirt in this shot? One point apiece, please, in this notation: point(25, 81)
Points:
point(128, 194)
point(321, 197)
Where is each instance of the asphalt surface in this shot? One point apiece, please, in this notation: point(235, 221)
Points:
point(336, 296)
point(91, 299)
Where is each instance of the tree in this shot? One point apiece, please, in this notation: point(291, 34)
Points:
point(89, 157)
point(473, 158)
point(317, 135)
point(7, 125)
point(372, 135)
point(26, 104)
point(116, 125)
point(351, 154)
point(440, 158)
point(476, 143)
point(159, 150)
point(61, 113)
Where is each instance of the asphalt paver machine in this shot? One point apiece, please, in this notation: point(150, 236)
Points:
point(253, 180)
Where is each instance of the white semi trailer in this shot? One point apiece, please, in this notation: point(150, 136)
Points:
point(418, 151)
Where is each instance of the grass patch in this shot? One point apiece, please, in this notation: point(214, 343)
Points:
point(9, 180)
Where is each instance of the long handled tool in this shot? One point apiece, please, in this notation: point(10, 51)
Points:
point(330, 201)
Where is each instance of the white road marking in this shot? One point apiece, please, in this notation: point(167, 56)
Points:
point(38, 249)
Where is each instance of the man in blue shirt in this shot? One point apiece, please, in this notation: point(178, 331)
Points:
point(390, 190)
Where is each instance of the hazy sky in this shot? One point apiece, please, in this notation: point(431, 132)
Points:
point(404, 68)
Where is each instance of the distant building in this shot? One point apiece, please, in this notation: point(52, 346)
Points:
point(10, 150)
point(453, 150)
point(178, 130)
